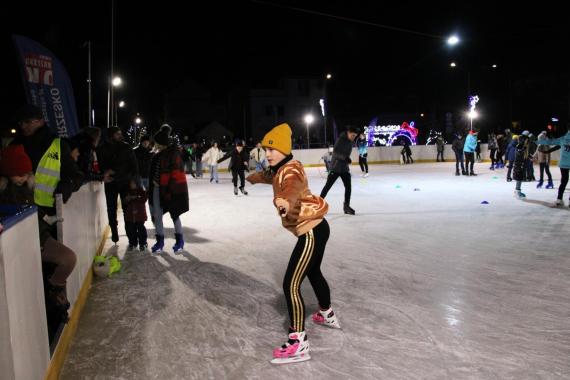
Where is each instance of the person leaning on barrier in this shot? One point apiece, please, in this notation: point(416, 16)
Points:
point(52, 163)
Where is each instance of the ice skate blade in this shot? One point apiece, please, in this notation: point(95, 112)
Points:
point(293, 359)
point(330, 325)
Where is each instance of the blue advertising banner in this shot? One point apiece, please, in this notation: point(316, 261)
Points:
point(47, 86)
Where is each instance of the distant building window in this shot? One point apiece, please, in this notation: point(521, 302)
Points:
point(303, 86)
point(280, 110)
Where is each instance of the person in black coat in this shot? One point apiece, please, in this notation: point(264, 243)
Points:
point(339, 167)
point(457, 147)
point(238, 165)
point(143, 156)
point(118, 156)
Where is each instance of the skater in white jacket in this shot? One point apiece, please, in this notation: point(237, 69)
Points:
point(257, 154)
point(211, 158)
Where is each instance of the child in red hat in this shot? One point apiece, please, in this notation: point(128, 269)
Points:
point(16, 177)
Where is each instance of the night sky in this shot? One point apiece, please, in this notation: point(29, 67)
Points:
point(250, 44)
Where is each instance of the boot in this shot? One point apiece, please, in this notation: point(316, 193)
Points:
point(457, 172)
point(348, 210)
point(539, 184)
point(492, 167)
point(550, 185)
point(179, 245)
point(159, 245)
point(463, 172)
point(472, 174)
point(235, 190)
point(243, 191)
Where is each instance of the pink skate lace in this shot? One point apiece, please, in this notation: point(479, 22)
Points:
point(318, 317)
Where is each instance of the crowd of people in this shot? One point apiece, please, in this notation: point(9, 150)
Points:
point(37, 165)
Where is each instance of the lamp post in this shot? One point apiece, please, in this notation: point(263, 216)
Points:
point(138, 122)
point(325, 103)
point(308, 120)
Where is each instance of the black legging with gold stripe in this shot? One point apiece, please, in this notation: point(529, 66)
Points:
point(306, 261)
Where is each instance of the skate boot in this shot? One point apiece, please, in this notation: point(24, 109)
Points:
point(463, 172)
point(509, 179)
point(457, 172)
point(365, 175)
point(539, 184)
point(348, 210)
point(326, 318)
point(550, 185)
point(235, 190)
point(243, 191)
point(159, 245)
point(558, 203)
point(143, 247)
point(492, 167)
point(179, 245)
point(131, 247)
point(472, 174)
point(296, 349)
point(519, 194)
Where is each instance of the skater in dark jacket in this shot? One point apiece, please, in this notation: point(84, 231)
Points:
point(168, 190)
point(143, 156)
point(135, 216)
point(510, 155)
point(519, 163)
point(457, 147)
point(339, 167)
point(238, 165)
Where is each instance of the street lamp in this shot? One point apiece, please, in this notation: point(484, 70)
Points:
point(308, 120)
point(329, 76)
point(121, 104)
point(117, 81)
point(453, 40)
point(472, 115)
point(452, 64)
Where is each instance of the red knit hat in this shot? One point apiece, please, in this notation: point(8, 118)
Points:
point(14, 161)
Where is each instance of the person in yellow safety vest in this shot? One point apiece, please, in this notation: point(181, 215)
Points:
point(53, 167)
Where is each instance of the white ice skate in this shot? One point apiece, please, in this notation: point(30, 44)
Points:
point(365, 175)
point(326, 318)
point(519, 194)
point(293, 351)
point(558, 203)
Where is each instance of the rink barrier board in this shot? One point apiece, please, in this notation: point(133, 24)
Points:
point(60, 354)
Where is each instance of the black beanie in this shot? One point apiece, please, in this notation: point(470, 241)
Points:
point(162, 137)
point(28, 112)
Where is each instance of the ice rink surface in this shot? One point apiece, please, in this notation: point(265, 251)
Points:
point(428, 283)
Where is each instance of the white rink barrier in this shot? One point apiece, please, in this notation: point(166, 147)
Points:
point(385, 155)
point(24, 347)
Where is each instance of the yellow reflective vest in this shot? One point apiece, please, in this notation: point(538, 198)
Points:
point(48, 175)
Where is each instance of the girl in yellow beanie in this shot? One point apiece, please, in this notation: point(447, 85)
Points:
point(302, 213)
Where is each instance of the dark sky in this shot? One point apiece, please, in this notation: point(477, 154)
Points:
point(222, 46)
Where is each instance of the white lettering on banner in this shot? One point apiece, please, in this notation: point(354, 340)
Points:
point(38, 69)
point(58, 112)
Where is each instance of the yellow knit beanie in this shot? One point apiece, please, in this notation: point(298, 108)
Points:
point(279, 138)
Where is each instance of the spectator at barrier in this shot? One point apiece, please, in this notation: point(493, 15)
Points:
point(143, 156)
point(118, 156)
point(88, 163)
point(52, 164)
point(16, 177)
